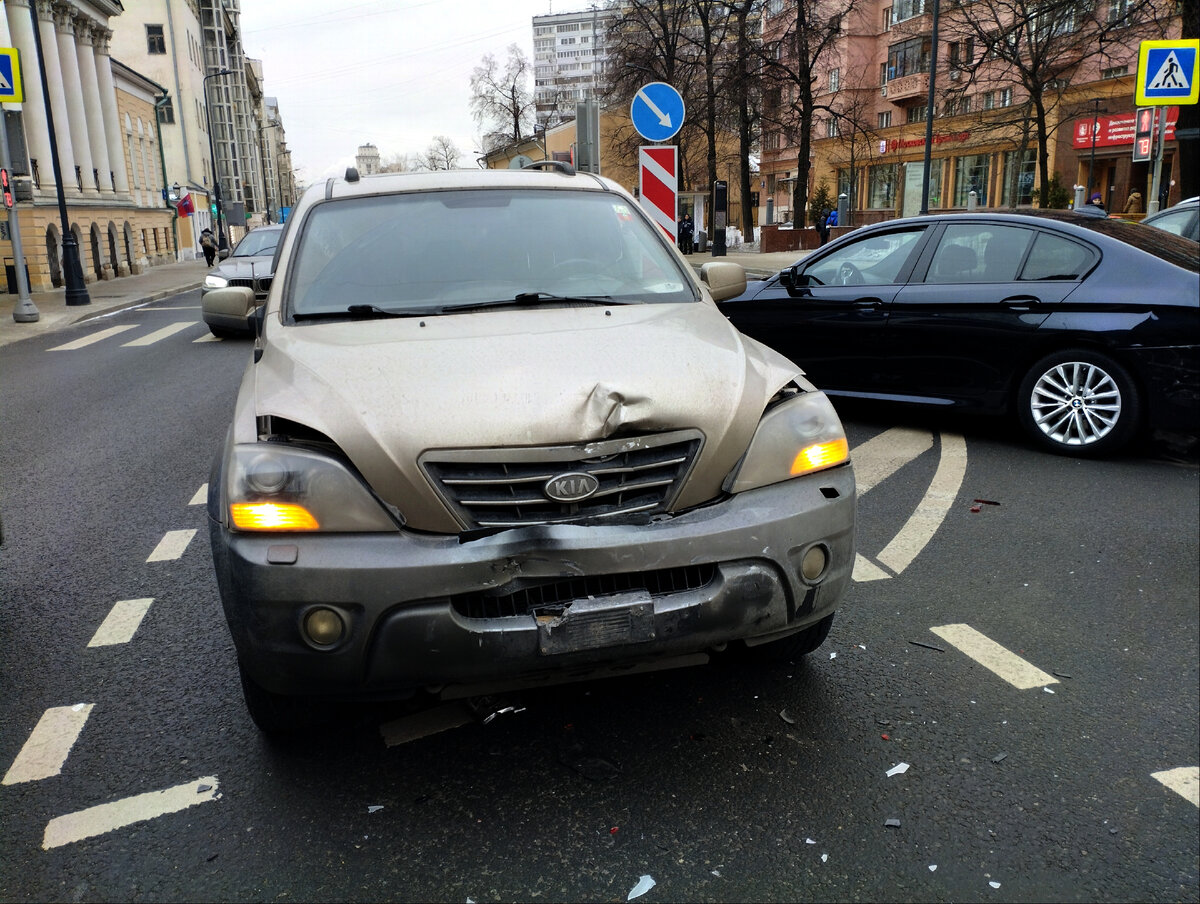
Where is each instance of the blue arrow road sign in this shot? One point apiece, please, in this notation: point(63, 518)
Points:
point(657, 111)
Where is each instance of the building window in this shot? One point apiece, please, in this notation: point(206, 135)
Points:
point(572, 27)
point(883, 73)
point(156, 42)
point(1004, 97)
point(831, 127)
point(907, 9)
point(885, 119)
point(918, 113)
point(166, 111)
point(887, 18)
point(834, 79)
point(1115, 72)
point(908, 57)
point(881, 186)
point(1023, 177)
point(971, 175)
point(1117, 10)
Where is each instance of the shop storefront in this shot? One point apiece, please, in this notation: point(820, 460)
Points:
point(1105, 154)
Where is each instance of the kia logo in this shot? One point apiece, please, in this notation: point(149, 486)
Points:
point(571, 487)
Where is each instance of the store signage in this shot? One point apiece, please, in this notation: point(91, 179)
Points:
point(903, 144)
point(1114, 131)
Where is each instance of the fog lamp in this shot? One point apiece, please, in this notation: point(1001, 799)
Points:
point(812, 566)
point(323, 626)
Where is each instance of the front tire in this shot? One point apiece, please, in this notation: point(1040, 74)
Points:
point(1079, 402)
point(279, 715)
point(794, 645)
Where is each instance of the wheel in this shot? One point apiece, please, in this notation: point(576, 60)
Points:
point(1079, 402)
point(223, 333)
point(277, 714)
point(849, 275)
point(795, 645)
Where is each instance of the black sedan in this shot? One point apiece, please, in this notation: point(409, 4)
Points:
point(1087, 329)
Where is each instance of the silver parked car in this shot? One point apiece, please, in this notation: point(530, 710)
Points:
point(249, 265)
point(496, 430)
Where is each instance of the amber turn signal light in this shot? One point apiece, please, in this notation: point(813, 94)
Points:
point(271, 516)
point(820, 455)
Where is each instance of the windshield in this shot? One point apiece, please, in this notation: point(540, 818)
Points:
point(258, 243)
point(435, 251)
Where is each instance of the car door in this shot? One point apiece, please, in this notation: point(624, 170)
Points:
point(964, 323)
point(831, 319)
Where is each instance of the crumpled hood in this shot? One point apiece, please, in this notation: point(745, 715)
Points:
point(387, 391)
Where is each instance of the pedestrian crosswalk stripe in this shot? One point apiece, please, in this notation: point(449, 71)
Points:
point(52, 739)
point(93, 337)
point(159, 334)
point(1184, 781)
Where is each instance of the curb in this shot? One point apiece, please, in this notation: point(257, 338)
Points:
point(135, 302)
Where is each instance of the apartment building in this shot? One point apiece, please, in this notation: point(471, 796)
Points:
point(872, 84)
point(568, 60)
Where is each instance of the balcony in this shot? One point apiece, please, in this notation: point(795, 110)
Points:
point(908, 87)
point(917, 26)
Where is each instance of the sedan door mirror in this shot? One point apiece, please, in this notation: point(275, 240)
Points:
point(794, 281)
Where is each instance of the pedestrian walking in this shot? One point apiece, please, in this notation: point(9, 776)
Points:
point(208, 244)
point(1134, 204)
point(686, 231)
point(823, 226)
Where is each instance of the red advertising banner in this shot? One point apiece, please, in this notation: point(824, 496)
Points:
point(1114, 131)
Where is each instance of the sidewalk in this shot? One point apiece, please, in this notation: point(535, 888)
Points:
point(106, 295)
point(756, 264)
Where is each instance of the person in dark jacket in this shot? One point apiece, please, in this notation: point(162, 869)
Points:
point(686, 231)
point(208, 244)
point(823, 226)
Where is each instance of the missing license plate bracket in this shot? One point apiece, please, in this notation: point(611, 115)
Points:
point(597, 622)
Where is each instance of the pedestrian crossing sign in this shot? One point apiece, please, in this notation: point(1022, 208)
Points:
point(1167, 73)
point(10, 77)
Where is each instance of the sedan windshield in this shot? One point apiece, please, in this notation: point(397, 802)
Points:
point(258, 243)
point(447, 251)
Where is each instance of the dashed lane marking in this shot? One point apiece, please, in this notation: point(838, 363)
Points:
point(93, 337)
point(172, 545)
point(929, 515)
point(122, 623)
point(201, 496)
point(120, 813)
point(989, 654)
point(52, 739)
point(1184, 781)
point(208, 337)
point(157, 335)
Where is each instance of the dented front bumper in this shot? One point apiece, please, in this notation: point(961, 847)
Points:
point(425, 610)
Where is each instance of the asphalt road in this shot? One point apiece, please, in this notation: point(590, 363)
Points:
point(735, 781)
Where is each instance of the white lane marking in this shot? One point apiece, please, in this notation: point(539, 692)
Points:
point(151, 338)
point(120, 813)
point(201, 495)
point(172, 545)
point(208, 337)
point(1184, 781)
point(929, 515)
point(52, 739)
point(122, 622)
point(989, 654)
point(94, 337)
point(866, 570)
point(883, 455)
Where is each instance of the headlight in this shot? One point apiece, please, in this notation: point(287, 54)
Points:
point(215, 282)
point(275, 488)
point(799, 436)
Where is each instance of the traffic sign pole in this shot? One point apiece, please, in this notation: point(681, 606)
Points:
point(25, 311)
point(1160, 123)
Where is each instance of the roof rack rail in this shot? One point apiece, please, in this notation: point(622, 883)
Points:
point(561, 166)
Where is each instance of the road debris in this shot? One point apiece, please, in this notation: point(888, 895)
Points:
point(892, 823)
point(994, 884)
point(824, 858)
point(885, 737)
point(927, 646)
point(644, 884)
point(999, 757)
point(1062, 675)
point(374, 808)
point(933, 867)
point(502, 711)
point(898, 769)
point(833, 655)
point(809, 841)
point(1047, 690)
point(200, 789)
point(787, 717)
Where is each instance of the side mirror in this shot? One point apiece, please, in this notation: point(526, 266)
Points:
point(223, 253)
point(793, 280)
point(725, 279)
point(230, 309)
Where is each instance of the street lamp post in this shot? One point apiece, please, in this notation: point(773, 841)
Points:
point(928, 161)
point(76, 293)
point(222, 242)
point(1096, 111)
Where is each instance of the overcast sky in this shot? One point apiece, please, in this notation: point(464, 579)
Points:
point(394, 73)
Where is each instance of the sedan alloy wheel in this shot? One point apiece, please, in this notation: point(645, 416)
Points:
point(1079, 402)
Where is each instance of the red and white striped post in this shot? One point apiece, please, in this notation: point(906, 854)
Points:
point(658, 185)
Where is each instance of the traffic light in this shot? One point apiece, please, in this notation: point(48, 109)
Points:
point(6, 187)
point(213, 208)
point(1143, 135)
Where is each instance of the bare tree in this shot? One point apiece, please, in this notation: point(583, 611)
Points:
point(1040, 48)
point(501, 99)
point(794, 61)
point(397, 163)
point(745, 86)
point(442, 154)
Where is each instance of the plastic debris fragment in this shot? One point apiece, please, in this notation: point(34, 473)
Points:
point(644, 884)
point(927, 646)
point(824, 858)
point(933, 867)
point(986, 502)
point(976, 509)
point(898, 769)
point(717, 873)
point(809, 841)
point(1047, 690)
point(503, 710)
point(999, 757)
point(1062, 675)
point(994, 884)
point(833, 655)
point(885, 737)
point(787, 717)
point(892, 823)
point(200, 789)
point(374, 808)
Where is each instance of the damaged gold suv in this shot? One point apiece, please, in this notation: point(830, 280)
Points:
point(496, 433)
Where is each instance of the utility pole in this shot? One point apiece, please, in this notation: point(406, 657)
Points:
point(933, 58)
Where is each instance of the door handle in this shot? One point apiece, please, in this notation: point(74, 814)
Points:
point(1021, 302)
point(868, 304)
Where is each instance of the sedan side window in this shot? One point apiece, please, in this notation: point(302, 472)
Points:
point(978, 253)
point(1054, 257)
point(876, 260)
point(1175, 222)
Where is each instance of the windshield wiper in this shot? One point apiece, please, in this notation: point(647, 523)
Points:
point(359, 312)
point(531, 298)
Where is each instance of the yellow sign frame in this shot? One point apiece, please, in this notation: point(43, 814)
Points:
point(17, 94)
point(1144, 76)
